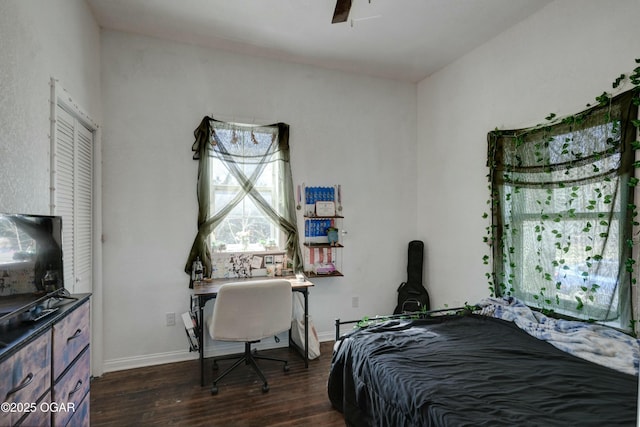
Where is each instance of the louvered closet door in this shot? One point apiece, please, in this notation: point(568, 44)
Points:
point(73, 175)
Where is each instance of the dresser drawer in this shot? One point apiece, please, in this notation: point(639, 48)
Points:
point(41, 417)
point(82, 416)
point(70, 337)
point(25, 377)
point(71, 389)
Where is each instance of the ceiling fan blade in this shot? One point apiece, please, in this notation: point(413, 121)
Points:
point(341, 13)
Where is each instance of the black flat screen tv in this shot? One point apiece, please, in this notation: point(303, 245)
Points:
point(31, 261)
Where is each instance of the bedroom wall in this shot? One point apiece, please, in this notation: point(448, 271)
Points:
point(349, 129)
point(556, 61)
point(40, 40)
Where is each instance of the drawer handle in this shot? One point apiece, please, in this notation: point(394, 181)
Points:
point(25, 382)
point(76, 335)
point(75, 390)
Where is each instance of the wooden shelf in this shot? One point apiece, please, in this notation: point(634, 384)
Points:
point(321, 222)
point(311, 274)
point(322, 245)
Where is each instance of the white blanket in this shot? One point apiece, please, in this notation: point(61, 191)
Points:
point(596, 343)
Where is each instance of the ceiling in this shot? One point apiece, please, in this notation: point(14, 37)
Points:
point(405, 40)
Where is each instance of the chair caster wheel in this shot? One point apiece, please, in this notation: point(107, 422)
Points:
point(265, 388)
point(286, 368)
point(214, 390)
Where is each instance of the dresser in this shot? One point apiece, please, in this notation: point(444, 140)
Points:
point(45, 368)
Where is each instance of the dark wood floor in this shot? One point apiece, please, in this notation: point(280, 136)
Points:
point(171, 395)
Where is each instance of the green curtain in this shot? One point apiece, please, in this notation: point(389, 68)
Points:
point(254, 157)
point(562, 222)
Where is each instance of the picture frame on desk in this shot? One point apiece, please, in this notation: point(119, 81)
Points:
point(256, 262)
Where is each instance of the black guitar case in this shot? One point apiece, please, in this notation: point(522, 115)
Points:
point(412, 296)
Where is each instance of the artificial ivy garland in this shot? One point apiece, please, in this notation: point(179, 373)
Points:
point(602, 100)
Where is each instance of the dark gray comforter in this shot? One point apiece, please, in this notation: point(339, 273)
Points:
point(472, 371)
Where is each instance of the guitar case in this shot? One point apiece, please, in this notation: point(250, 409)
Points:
point(412, 296)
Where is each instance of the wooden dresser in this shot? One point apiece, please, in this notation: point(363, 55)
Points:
point(45, 368)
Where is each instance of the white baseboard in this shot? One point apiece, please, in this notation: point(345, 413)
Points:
point(219, 349)
point(326, 336)
point(123, 363)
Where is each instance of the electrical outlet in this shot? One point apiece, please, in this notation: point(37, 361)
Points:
point(355, 302)
point(170, 319)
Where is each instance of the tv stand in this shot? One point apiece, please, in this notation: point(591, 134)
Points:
point(45, 362)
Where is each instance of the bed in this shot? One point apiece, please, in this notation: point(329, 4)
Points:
point(499, 365)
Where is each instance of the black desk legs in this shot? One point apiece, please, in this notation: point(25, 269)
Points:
point(305, 293)
point(201, 303)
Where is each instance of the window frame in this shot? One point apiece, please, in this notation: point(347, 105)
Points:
point(512, 167)
point(234, 188)
point(208, 146)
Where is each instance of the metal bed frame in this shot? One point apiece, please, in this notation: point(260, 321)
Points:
point(413, 315)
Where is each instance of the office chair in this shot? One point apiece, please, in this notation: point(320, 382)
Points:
point(248, 312)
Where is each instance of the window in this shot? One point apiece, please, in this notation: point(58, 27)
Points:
point(246, 227)
point(245, 191)
point(563, 211)
point(72, 141)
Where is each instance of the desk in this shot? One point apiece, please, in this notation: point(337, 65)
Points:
point(204, 291)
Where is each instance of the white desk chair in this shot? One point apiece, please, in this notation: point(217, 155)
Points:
point(248, 312)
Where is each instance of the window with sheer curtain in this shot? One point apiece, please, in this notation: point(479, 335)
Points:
point(245, 191)
point(563, 212)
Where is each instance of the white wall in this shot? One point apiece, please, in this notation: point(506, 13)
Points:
point(556, 61)
point(346, 129)
point(40, 40)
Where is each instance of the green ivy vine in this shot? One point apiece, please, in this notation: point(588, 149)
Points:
point(545, 226)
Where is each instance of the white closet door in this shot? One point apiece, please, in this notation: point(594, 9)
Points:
point(72, 197)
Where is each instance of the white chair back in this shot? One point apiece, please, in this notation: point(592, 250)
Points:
point(250, 311)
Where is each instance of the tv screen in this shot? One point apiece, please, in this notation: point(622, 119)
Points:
point(30, 261)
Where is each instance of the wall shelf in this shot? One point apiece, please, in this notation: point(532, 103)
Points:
point(323, 245)
point(322, 230)
point(312, 275)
